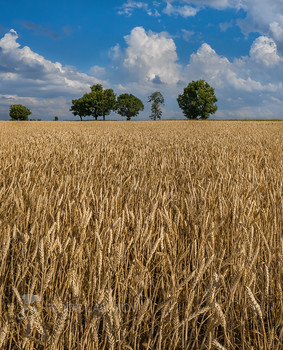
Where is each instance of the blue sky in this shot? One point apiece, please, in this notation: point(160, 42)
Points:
point(52, 52)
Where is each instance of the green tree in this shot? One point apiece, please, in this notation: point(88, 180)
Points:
point(103, 101)
point(129, 106)
point(19, 112)
point(56, 118)
point(96, 88)
point(95, 99)
point(198, 100)
point(157, 100)
point(108, 102)
point(97, 103)
point(80, 107)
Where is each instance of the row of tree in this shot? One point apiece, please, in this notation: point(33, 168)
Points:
point(100, 102)
point(198, 101)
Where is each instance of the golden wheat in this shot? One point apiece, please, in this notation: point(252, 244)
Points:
point(143, 235)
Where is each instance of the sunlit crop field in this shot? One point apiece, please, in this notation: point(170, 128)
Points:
point(141, 235)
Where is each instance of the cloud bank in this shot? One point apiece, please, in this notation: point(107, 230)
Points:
point(27, 76)
point(250, 86)
point(246, 87)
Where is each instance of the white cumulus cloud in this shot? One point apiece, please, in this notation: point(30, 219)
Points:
point(151, 56)
point(264, 50)
point(8, 42)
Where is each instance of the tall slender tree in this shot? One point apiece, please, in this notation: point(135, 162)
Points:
point(157, 100)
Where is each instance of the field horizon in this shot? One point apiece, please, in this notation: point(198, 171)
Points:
point(149, 120)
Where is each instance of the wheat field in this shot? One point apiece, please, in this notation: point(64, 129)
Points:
point(141, 235)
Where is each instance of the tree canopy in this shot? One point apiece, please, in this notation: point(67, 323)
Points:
point(107, 102)
point(129, 106)
point(19, 112)
point(81, 107)
point(98, 102)
point(198, 100)
point(157, 100)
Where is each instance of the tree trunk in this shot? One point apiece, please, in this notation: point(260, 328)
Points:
point(103, 116)
point(128, 117)
point(81, 118)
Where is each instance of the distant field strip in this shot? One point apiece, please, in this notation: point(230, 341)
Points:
point(141, 235)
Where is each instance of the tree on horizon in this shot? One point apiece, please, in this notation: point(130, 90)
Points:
point(129, 106)
point(98, 102)
point(198, 100)
point(19, 112)
point(157, 100)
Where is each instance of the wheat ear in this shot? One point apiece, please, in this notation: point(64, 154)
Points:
point(253, 303)
point(218, 345)
point(3, 334)
point(59, 326)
